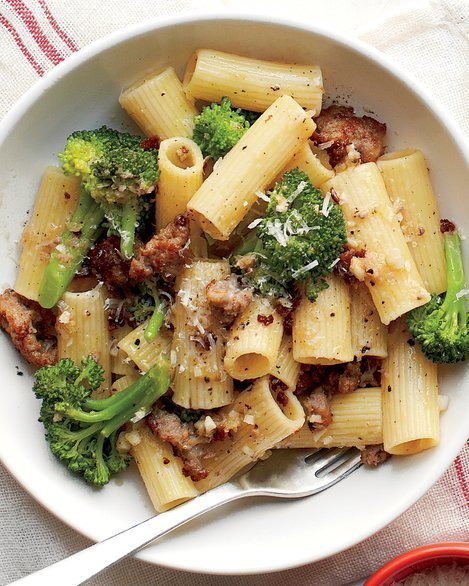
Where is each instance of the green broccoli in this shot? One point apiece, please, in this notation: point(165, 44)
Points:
point(219, 127)
point(115, 172)
point(148, 304)
point(440, 326)
point(299, 239)
point(81, 431)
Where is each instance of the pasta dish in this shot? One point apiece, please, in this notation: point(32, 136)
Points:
point(254, 272)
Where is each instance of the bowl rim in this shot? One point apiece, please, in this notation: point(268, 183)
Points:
point(357, 46)
point(458, 549)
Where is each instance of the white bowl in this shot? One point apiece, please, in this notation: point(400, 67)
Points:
point(260, 535)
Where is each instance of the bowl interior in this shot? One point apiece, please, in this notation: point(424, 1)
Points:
point(83, 94)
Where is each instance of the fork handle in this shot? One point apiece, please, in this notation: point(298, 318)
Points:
point(85, 564)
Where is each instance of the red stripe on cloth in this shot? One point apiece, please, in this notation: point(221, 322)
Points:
point(11, 29)
point(36, 32)
point(62, 34)
point(462, 478)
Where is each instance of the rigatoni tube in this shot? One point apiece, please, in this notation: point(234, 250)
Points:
point(198, 348)
point(181, 163)
point(408, 184)
point(264, 423)
point(321, 329)
point(388, 269)
point(251, 83)
point(308, 160)
point(227, 195)
point(55, 203)
point(369, 334)
point(159, 106)
point(161, 471)
point(357, 420)
point(82, 329)
point(254, 341)
point(411, 416)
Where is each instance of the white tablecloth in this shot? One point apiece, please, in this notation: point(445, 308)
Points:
point(428, 39)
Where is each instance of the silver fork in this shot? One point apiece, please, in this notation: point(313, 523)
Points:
point(286, 474)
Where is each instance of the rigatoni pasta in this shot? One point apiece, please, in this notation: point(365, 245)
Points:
point(411, 421)
point(369, 334)
point(181, 174)
point(251, 83)
point(311, 161)
point(141, 352)
point(55, 203)
point(161, 472)
point(270, 424)
point(82, 329)
point(253, 345)
point(388, 269)
point(357, 420)
point(286, 369)
point(321, 330)
point(230, 191)
point(159, 106)
point(199, 380)
point(407, 181)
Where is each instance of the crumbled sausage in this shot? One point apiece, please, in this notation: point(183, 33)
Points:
point(317, 406)
point(165, 253)
point(184, 440)
point(339, 126)
point(30, 327)
point(107, 263)
point(374, 455)
point(227, 298)
point(447, 225)
point(342, 268)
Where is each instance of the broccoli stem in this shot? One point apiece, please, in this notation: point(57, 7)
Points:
point(154, 383)
point(84, 205)
point(155, 321)
point(120, 408)
point(454, 307)
point(68, 256)
point(129, 223)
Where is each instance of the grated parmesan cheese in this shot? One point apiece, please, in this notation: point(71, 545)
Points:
point(332, 265)
point(325, 145)
point(325, 204)
point(254, 223)
point(140, 414)
point(209, 424)
point(262, 195)
point(133, 438)
point(249, 419)
point(304, 269)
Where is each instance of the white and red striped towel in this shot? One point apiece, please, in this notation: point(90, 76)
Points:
point(429, 39)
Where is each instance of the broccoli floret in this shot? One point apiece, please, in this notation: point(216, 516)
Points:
point(116, 171)
point(112, 165)
point(219, 127)
point(148, 304)
point(299, 239)
point(81, 431)
point(440, 326)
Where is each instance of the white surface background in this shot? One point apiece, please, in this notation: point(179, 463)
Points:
point(430, 40)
